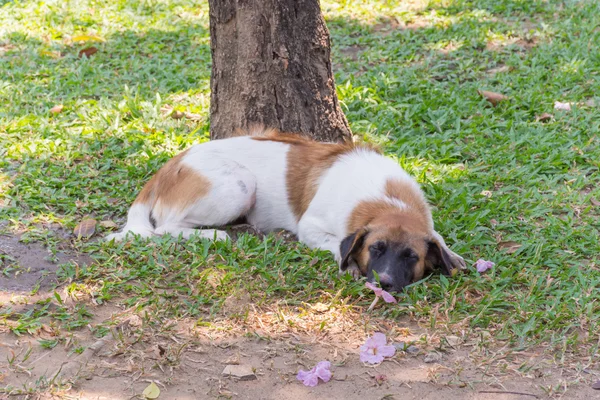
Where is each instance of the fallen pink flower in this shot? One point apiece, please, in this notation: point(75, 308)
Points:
point(379, 292)
point(375, 349)
point(562, 106)
point(483, 265)
point(311, 378)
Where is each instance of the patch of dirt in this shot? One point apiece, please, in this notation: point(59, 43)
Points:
point(187, 361)
point(188, 366)
point(30, 265)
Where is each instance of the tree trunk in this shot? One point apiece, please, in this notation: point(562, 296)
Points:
point(271, 65)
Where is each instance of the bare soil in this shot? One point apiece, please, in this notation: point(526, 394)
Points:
point(187, 363)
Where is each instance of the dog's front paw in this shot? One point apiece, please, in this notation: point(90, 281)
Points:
point(117, 237)
point(458, 263)
point(352, 270)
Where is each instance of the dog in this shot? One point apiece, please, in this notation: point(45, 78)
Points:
point(346, 198)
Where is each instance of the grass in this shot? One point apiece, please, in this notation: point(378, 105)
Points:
point(504, 186)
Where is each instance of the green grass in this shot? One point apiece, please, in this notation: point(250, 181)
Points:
point(408, 80)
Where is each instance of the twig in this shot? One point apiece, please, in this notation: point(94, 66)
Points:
point(509, 392)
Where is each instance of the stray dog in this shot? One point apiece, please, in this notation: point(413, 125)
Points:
point(345, 198)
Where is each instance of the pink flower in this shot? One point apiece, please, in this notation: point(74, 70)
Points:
point(375, 350)
point(311, 378)
point(388, 298)
point(562, 106)
point(379, 292)
point(483, 265)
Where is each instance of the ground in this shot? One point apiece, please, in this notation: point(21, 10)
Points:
point(95, 96)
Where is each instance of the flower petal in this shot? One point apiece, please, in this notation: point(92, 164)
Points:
point(302, 375)
point(378, 339)
point(388, 298)
point(371, 358)
point(322, 370)
point(483, 265)
point(374, 288)
point(311, 380)
point(323, 364)
point(386, 351)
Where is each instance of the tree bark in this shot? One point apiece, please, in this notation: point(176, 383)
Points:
point(271, 65)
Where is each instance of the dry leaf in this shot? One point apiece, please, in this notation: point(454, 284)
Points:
point(176, 114)
point(562, 106)
point(595, 202)
point(486, 193)
point(544, 117)
point(493, 222)
point(497, 70)
point(590, 103)
point(242, 372)
point(151, 392)
point(86, 228)
point(313, 262)
point(88, 52)
point(596, 385)
point(108, 224)
point(52, 54)
point(87, 38)
point(57, 109)
point(492, 97)
point(510, 246)
point(112, 201)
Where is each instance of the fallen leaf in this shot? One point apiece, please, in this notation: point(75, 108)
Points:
point(52, 54)
point(176, 114)
point(151, 392)
point(86, 228)
point(320, 307)
point(590, 103)
point(497, 70)
point(108, 224)
point(112, 201)
point(596, 385)
point(486, 193)
point(87, 38)
point(432, 357)
point(242, 372)
point(595, 202)
point(453, 340)
point(510, 246)
point(88, 52)
point(493, 222)
point(492, 97)
point(562, 106)
point(544, 117)
point(313, 261)
point(57, 109)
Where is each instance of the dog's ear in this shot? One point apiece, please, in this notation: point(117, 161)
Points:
point(350, 245)
point(438, 257)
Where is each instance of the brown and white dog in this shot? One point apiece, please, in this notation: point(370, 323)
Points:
point(345, 198)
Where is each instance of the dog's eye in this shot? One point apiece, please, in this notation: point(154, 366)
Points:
point(410, 254)
point(377, 248)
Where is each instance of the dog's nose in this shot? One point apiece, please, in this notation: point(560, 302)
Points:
point(386, 282)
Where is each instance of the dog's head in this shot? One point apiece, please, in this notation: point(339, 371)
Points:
point(398, 248)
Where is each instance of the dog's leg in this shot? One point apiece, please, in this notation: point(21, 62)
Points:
point(232, 195)
point(184, 196)
point(186, 233)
